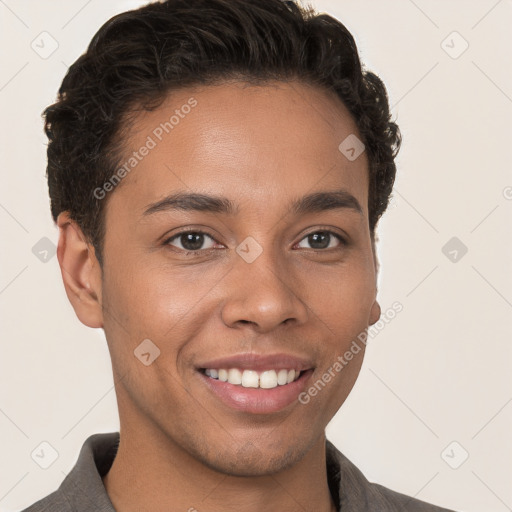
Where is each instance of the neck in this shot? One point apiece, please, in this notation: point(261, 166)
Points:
point(150, 472)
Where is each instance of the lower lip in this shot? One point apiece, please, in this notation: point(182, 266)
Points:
point(257, 400)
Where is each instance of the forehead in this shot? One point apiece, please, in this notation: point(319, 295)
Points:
point(254, 144)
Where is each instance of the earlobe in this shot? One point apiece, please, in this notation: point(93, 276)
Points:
point(375, 313)
point(81, 272)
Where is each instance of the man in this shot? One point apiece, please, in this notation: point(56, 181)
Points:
point(217, 169)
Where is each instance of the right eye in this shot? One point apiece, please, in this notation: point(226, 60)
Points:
point(191, 241)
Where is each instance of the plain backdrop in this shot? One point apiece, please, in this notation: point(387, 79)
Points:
point(431, 413)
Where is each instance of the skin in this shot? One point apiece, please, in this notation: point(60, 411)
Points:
point(262, 147)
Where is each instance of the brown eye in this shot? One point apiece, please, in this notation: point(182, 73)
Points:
point(322, 240)
point(190, 241)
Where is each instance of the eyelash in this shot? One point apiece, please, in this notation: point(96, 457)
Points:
point(199, 252)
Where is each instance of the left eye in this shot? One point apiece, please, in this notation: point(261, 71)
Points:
point(322, 240)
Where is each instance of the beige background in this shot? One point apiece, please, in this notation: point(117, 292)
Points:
point(438, 373)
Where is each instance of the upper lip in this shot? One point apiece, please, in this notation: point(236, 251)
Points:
point(259, 362)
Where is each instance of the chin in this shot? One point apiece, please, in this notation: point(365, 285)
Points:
point(251, 461)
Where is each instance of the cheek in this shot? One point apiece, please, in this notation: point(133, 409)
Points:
point(166, 306)
point(152, 299)
point(343, 297)
point(342, 308)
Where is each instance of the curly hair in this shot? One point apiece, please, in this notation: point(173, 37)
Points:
point(138, 57)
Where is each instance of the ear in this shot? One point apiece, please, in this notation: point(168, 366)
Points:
point(375, 311)
point(374, 240)
point(81, 272)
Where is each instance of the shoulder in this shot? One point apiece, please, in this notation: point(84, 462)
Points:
point(83, 488)
point(54, 502)
point(400, 502)
point(354, 492)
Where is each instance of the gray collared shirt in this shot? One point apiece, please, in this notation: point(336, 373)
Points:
point(83, 490)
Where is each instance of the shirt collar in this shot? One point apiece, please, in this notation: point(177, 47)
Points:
point(83, 487)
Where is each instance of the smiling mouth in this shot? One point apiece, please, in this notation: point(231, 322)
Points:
point(247, 378)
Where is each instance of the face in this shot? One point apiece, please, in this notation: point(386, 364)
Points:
point(255, 280)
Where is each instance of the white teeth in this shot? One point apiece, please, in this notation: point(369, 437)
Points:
point(282, 377)
point(268, 379)
point(234, 376)
point(291, 376)
point(252, 379)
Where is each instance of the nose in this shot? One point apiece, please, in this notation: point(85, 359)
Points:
point(264, 293)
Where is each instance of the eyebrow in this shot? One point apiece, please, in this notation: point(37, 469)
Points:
point(312, 203)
